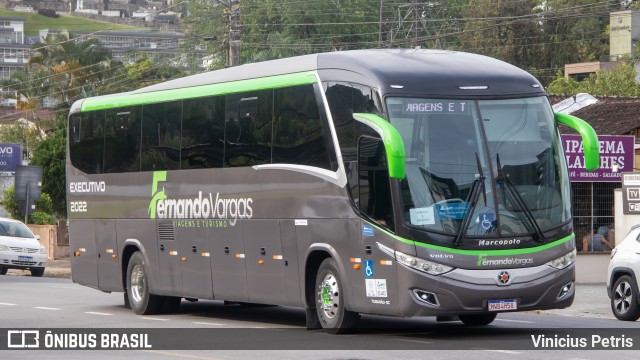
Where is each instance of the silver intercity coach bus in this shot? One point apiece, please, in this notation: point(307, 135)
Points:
point(392, 182)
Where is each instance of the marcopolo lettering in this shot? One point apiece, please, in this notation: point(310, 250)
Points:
point(502, 242)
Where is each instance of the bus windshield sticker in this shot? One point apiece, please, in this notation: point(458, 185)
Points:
point(422, 216)
point(419, 106)
point(376, 287)
point(454, 211)
point(487, 220)
point(367, 230)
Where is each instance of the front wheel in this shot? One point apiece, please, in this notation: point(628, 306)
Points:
point(141, 300)
point(37, 272)
point(478, 320)
point(330, 300)
point(624, 303)
point(3, 271)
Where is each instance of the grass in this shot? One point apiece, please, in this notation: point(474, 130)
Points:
point(34, 22)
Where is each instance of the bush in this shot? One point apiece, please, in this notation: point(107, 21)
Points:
point(42, 214)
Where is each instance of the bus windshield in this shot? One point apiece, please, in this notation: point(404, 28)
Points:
point(481, 168)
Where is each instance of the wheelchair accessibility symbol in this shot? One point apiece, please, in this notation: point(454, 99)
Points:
point(368, 268)
point(487, 220)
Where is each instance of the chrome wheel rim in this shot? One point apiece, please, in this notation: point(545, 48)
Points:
point(137, 283)
point(622, 297)
point(329, 296)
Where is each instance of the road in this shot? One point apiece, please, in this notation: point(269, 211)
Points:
point(278, 332)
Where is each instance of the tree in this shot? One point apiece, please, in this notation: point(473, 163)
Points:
point(618, 82)
point(24, 134)
point(50, 154)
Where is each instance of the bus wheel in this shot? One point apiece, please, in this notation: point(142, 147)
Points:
point(478, 320)
point(623, 300)
point(141, 300)
point(330, 301)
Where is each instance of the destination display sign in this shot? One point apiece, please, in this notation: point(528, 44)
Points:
point(427, 106)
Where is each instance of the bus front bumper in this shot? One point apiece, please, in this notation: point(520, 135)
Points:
point(482, 291)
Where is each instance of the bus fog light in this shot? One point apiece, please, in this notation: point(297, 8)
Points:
point(427, 297)
point(565, 290)
point(563, 261)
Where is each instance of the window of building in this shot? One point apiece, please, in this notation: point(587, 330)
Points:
point(592, 205)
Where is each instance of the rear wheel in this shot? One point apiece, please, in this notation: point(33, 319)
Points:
point(3, 271)
point(141, 300)
point(478, 319)
point(624, 303)
point(37, 272)
point(330, 300)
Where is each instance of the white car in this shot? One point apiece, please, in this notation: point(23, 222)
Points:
point(20, 249)
point(622, 277)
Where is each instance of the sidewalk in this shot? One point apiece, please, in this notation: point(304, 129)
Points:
point(591, 299)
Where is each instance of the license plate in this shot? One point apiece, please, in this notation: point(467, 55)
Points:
point(25, 258)
point(502, 305)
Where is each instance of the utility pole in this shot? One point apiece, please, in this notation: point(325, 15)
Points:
point(232, 10)
point(234, 32)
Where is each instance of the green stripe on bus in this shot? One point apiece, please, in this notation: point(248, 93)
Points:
point(127, 99)
point(510, 252)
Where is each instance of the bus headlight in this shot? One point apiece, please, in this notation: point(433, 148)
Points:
point(563, 261)
point(419, 264)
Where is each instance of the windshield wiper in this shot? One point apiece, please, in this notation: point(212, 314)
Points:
point(477, 187)
point(517, 201)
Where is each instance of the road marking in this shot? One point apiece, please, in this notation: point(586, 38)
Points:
point(97, 313)
point(7, 304)
point(506, 352)
point(185, 356)
point(516, 321)
point(208, 323)
point(415, 341)
point(150, 318)
point(45, 308)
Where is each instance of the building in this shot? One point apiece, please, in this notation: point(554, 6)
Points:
point(14, 53)
point(624, 33)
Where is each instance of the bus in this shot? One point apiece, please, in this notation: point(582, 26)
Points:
point(397, 182)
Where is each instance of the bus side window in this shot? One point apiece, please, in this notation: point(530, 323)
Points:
point(298, 136)
point(202, 133)
point(373, 178)
point(88, 146)
point(122, 140)
point(161, 132)
point(248, 128)
point(344, 99)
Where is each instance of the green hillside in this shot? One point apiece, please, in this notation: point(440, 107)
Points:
point(34, 22)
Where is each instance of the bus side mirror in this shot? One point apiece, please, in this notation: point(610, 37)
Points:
point(393, 144)
point(589, 139)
